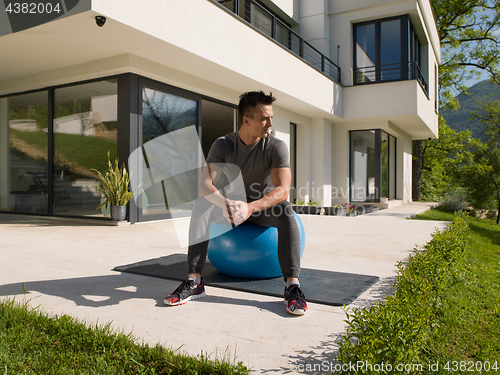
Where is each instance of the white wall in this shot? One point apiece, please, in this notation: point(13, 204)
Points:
point(315, 24)
point(340, 164)
point(321, 148)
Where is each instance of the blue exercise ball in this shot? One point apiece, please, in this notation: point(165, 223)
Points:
point(249, 250)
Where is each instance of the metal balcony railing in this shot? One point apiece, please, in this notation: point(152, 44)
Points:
point(390, 72)
point(268, 24)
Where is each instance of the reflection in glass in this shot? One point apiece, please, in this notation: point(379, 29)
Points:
point(390, 50)
point(162, 114)
point(24, 153)
point(384, 150)
point(366, 162)
point(85, 130)
point(362, 149)
point(365, 53)
point(392, 167)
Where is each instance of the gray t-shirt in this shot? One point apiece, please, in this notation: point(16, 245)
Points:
point(254, 161)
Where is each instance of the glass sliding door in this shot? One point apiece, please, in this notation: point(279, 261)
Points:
point(366, 58)
point(24, 153)
point(362, 161)
point(372, 165)
point(390, 50)
point(172, 153)
point(85, 131)
point(217, 120)
point(381, 50)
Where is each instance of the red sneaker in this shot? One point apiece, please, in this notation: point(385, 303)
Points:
point(295, 300)
point(187, 291)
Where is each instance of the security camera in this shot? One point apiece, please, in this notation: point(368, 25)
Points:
point(100, 20)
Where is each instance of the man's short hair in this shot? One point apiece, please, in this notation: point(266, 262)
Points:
point(250, 100)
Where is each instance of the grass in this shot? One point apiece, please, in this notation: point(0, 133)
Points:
point(32, 342)
point(470, 325)
point(86, 152)
point(444, 314)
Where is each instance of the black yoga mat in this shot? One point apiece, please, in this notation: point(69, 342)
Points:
point(325, 287)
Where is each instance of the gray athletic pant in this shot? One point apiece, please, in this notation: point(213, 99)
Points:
point(279, 216)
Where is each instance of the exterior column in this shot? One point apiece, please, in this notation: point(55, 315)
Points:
point(322, 161)
point(315, 24)
point(404, 169)
point(304, 162)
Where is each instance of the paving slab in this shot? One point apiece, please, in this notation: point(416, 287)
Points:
point(67, 266)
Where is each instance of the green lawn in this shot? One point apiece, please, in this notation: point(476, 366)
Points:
point(35, 343)
point(73, 149)
point(470, 327)
point(444, 314)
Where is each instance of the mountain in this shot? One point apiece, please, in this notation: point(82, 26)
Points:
point(460, 119)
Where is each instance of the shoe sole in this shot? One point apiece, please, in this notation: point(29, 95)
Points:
point(299, 312)
point(196, 296)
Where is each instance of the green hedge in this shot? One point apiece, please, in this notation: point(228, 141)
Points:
point(397, 331)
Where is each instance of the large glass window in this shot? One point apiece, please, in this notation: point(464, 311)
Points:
point(372, 165)
point(365, 53)
point(24, 153)
point(85, 131)
point(171, 154)
point(363, 161)
point(387, 50)
point(390, 50)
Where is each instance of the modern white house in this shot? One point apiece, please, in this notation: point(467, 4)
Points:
point(355, 82)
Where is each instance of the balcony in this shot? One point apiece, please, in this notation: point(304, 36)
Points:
point(268, 24)
point(389, 73)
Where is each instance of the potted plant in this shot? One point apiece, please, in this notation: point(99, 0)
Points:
point(332, 210)
point(115, 183)
point(297, 206)
point(345, 209)
point(384, 200)
point(311, 208)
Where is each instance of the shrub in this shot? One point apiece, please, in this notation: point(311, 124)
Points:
point(454, 201)
point(398, 330)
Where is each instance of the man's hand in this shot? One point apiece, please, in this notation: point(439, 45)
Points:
point(236, 212)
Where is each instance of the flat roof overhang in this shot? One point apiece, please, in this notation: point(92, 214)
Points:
point(237, 59)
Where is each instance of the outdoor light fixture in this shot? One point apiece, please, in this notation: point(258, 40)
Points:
point(100, 20)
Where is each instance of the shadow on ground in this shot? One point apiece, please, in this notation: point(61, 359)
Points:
point(99, 291)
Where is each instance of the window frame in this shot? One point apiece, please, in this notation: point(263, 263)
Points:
point(404, 48)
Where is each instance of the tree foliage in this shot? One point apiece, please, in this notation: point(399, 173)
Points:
point(470, 44)
point(489, 114)
point(443, 159)
point(482, 178)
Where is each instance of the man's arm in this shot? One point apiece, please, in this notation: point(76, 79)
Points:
point(209, 176)
point(281, 179)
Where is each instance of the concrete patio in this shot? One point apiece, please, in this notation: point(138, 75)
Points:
point(67, 267)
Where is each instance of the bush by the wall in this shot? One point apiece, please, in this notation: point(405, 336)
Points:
point(454, 201)
point(397, 330)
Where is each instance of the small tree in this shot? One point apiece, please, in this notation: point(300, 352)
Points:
point(482, 178)
point(441, 161)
